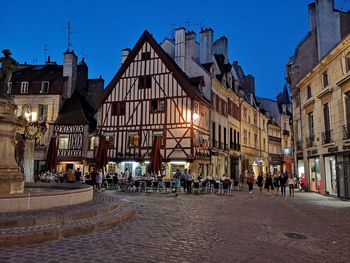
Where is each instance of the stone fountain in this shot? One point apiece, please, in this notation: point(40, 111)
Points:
point(11, 180)
point(14, 195)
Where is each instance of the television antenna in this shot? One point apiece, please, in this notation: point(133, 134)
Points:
point(45, 51)
point(69, 36)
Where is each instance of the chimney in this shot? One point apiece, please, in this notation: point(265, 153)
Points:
point(70, 71)
point(180, 47)
point(125, 53)
point(206, 46)
point(190, 46)
point(249, 84)
point(312, 16)
point(328, 26)
point(221, 47)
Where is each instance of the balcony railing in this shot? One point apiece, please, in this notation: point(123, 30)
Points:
point(274, 139)
point(346, 131)
point(286, 132)
point(299, 145)
point(327, 136)
point(235, 146)
point(310, 141)
point(215, 144)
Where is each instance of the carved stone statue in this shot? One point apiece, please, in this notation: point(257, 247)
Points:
point(8, 66)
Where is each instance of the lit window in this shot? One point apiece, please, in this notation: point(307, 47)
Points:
point(24, 87)
point(92, 143)
point(134, 139)
point(42, 112)
point(63, 142)
point(9, 88)
point(45, 87)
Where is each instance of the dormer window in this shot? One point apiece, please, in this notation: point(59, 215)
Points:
point(347, 63)
point(45, 87)
point(224, 81)
point(325, 79)
point(212, 71)
point(24, 87)
point(9, 88)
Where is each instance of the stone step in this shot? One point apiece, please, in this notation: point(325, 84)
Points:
point(101, 204)
point(11, 236)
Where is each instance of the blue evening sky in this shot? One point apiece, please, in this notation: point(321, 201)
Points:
point(262, 34)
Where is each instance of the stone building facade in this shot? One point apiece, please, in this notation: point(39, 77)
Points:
point(321, 108)
point(40, 92)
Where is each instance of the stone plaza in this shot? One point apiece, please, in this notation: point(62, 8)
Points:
point(241, 227)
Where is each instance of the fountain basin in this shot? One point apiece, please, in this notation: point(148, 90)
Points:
point(38, 196)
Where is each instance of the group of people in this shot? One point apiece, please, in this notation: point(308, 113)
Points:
point(270, 182)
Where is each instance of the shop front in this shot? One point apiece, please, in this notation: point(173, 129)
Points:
point(219, 165)
point(300, 168)
point(275, 162)
point(331, 175)
point(315, 179)
point(343, 172)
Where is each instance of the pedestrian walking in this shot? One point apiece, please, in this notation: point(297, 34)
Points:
point(277, 183)
point(250, 181)
point(291, 185)
point(184, 179)
point(176, 181)
point(189, 181)
point(77, 175)
point(241, 181)
point(93, 177)
point(259, 182)
point(268, 183)
point(99, 180)
point(283, 183)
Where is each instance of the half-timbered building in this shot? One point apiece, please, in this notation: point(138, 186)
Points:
point(41, 93)
point(151, 96)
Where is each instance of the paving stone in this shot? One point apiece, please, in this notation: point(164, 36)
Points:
point(208, 228)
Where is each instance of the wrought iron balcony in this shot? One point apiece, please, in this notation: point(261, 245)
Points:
point(235, 146)
point(299, 145)
point(346, 131)
point(216, 144)
point(274, 139)
point(310, 141)
point(327, 136)
point(286, 132)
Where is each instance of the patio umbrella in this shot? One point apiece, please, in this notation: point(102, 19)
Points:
point(51, 159)
point(156, 159)
point(101, 156)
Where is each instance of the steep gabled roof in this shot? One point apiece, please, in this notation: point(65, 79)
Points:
point(178, 74)
point(38, 73)
point(76, 111)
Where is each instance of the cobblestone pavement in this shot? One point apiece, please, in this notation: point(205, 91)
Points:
point(209, 228)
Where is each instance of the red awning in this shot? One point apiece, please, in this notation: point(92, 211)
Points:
point(156, 158)
point(101, 157)
point(51, 159)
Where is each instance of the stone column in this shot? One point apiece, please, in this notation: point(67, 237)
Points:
point(11, 180)
point(29, 160)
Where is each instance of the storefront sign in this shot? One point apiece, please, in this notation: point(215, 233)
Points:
point(333, 149)
point(346, 147)
point(300, 155)
point(312, 152)
point(287, 151)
